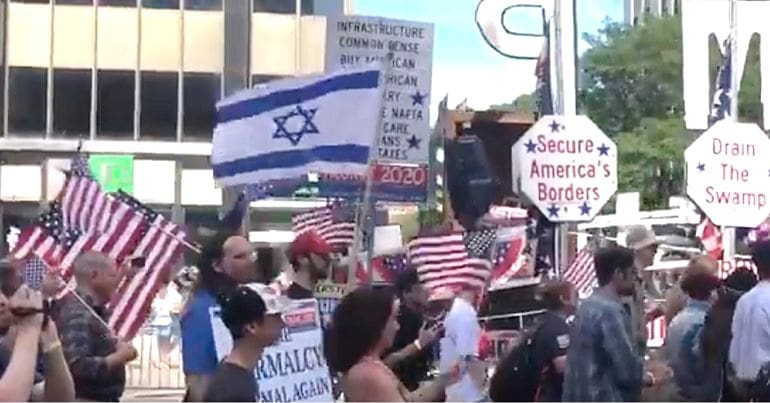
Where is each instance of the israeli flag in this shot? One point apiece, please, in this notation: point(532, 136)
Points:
point(294, 126)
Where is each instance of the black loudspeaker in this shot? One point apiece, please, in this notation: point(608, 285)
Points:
point(472, 187)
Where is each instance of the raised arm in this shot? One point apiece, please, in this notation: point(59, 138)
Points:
point(57, 383)
point(17, 381)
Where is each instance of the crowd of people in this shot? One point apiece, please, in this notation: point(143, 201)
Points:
point(404, 343)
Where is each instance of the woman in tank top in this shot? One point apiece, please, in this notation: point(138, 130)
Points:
point(362, 329)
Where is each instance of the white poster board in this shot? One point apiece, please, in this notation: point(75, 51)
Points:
point(295, 368)
point(351, 40)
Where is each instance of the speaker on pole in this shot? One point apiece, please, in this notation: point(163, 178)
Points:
point(472, 186)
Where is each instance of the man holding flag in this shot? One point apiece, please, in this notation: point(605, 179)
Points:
point(96, 358)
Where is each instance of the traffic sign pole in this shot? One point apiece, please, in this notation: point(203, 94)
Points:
point(728, 233)
point(565, 97)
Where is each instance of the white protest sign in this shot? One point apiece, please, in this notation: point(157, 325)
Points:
point(294, 369)
point(728, 174)
point(568, 167)
point(351, 40)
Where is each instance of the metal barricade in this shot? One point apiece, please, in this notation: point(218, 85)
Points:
point(159, 364)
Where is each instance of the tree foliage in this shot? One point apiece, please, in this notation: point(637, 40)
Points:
point(524, 105)
point(632, 88)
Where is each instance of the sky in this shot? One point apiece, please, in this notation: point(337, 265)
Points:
point(464, 65)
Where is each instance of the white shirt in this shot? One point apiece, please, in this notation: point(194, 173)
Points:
point(461, 339)
point(750, 346)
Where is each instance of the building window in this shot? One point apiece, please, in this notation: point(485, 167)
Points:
point(160, 3)
point(282, 6)
point(203, 4)
point(71, 102)
point(117, 3)
point(201, 92)
point(75, 2)
point(263, 78)
point(159, 105)
point(115, 103)
point(31, 1)
point(27, 87)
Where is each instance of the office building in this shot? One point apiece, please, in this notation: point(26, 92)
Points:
point(138, 80)
point(635, 9)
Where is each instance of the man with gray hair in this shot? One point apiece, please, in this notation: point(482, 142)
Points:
point(96, 359)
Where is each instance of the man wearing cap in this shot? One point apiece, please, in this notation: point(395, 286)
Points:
point(252, 314)
point(310, 257)
point(644, 244)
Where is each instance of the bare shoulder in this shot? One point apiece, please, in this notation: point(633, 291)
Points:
point(367, 381)
point(364, 372)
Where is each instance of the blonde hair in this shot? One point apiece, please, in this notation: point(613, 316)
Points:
point(702, 264)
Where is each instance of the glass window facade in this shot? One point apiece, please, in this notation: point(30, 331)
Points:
point(142, 69)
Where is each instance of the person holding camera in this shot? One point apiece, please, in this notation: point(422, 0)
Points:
point(96, 358)
point(28, 336)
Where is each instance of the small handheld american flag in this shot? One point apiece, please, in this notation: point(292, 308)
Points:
point(581, 271)
point(454, 259)
point(334, 223)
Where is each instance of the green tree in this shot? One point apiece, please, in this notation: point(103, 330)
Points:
point(524, 105)
point(632, 89)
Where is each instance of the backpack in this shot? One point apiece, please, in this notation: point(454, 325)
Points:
point(517, 378)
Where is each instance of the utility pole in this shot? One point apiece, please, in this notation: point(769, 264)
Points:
point(728, 233)
point(565, 95)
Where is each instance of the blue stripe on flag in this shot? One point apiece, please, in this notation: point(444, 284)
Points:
point(344, 153)
point(255, 106)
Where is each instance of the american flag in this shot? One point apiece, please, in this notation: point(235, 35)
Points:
point(508, 256)
point(711, 238)
point(544, 98)
point(723, 94)
point(334, 223)
point(161, 244)
point(581, 272)
point(385, 268)
point(454, 259)
point(48, 239)
point(57, 245)
point(84, 205)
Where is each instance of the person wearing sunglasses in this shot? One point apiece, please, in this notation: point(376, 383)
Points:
point(226, 261)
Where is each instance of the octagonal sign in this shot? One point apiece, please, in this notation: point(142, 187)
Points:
point(728, 174)
point(567, 167)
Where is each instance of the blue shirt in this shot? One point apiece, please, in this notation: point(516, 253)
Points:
point(683, 353)
point(602, 364)
point(199, 354)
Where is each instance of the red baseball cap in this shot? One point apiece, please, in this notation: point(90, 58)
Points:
point(308, 243)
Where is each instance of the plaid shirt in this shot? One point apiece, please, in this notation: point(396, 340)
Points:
point(602, 364)
point(86, 343)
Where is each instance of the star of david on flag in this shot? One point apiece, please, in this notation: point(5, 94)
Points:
point(298, 113)
point(323, 123)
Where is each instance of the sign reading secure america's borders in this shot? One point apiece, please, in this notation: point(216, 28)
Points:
point(352, 40)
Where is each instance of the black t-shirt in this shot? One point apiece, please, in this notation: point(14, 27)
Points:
point(296, 291)
point(231, 383)
point(550, 341)
point(411, 370)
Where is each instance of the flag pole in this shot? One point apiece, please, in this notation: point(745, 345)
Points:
point(728, 233)
point(366, 201)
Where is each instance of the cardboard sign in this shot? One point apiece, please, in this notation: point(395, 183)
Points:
point(354, 40)
point(294, 369)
